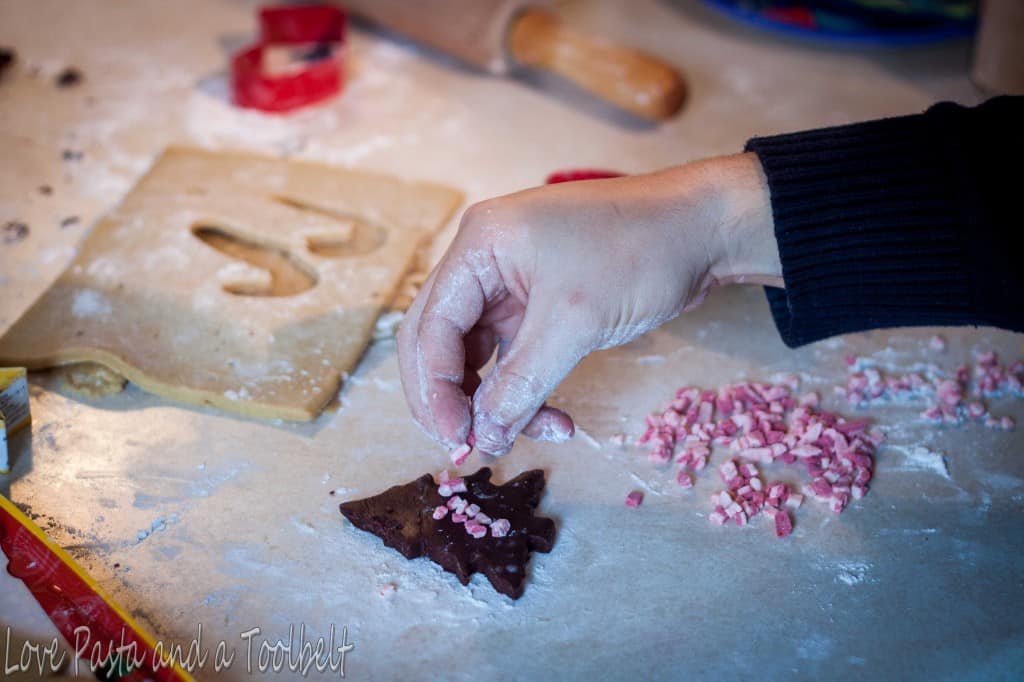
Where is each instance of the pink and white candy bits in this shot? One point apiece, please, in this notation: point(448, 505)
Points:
point(783, 524)
point(634, 499)
point(763, 423)
point(459, 454)
point(951, 399)
point(477, 530)
point(449, 485)
point(462, 511)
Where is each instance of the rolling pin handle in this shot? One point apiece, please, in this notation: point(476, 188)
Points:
point(627, 78)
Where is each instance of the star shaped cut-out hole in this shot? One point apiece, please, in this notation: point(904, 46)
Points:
point(402, 517)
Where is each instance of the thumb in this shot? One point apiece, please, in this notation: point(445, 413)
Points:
point(539, 357)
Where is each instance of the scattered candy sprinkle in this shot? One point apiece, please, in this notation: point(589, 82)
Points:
point(765, 423)
point(953, 400)
point(634, 499)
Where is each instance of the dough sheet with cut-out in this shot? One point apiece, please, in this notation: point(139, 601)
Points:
point(234, 280)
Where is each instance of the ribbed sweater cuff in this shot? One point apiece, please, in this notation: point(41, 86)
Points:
point(869, 229)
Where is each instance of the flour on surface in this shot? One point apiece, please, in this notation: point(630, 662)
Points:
point(852, 572)
point(919, 458)
point(89, 303)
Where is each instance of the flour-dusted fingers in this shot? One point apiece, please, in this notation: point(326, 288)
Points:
point(408, 365)
point(538, 359)
point(451, 309)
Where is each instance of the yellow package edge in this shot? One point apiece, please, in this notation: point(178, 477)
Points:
point(14, 408)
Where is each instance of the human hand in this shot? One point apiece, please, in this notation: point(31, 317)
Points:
point(550, 274)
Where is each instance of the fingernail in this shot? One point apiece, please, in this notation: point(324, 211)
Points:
point(554, 433)
point(491, 439)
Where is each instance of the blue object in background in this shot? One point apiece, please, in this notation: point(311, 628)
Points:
point(858, 22)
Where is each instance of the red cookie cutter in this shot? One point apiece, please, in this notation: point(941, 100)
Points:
point(320, 26)
point(580, 174)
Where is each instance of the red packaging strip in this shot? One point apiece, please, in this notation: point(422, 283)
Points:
point(84, 616)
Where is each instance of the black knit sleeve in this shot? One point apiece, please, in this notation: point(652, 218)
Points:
point(904, 221)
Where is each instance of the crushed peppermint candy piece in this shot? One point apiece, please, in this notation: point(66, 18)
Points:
point(810, 399)
point(634, 499)
point(448, 484)
point(477, 530)
point(440, 512)
point(500, 528)
point(783, 524)
point(1004, 423)
point(459, 455)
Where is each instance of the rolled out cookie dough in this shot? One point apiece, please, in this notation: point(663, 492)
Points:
point(238, 281)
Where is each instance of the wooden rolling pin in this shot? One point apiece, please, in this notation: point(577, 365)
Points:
point(497, 35)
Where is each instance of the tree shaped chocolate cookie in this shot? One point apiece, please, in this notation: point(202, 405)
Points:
point(475, 527)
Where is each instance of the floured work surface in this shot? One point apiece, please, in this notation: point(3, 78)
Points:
point(233, 280)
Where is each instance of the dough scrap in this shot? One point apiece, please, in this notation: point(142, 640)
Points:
point(92, 380)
